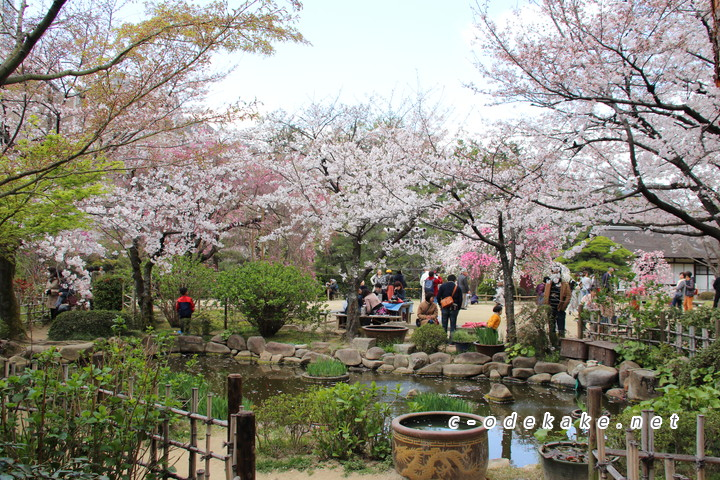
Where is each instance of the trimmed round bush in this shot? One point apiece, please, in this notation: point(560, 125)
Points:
point(107, 292)
point(87, 324)
point(429, 337)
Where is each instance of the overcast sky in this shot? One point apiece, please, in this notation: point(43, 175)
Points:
point(381, 48)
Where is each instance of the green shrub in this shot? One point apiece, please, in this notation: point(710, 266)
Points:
point(701, 317)
point(88, 324)
point(108, 292)
point(705, 296)
point(326, 368)
point(532, 328)
point(354, 419)
point(647, 356)
point(428, 338)
point(271, 294)
point(461, 335)
point(285, 423)
point(185, 272)
point(431, 402)
point(703, 368)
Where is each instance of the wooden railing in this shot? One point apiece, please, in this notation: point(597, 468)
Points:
point(238, 457)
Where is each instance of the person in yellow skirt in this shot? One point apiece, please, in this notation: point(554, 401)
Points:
point(494, 320)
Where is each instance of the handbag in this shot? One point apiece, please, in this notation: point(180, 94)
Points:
point(448, 301)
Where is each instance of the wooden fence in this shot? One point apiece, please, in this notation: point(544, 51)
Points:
point(685, 340)
point(237, 457)
point(640, 458)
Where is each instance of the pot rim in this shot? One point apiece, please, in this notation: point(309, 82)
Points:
point(567, 443)
point(385, 328)
point(470, 433)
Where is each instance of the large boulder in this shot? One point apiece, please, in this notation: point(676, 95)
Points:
point(524, 362)
point(189, 344)
point(349, 356)
point(539, 378)
point(501, 357)
point(598, 376)
point(549, 367)
point(499, 393)
point(472, 358)
point(385, 368)
point(320, 347)
point(523, 373)
point(641, 385)
point(315, 356)
point(33, 350)
point(363, 344)
point(277, 348)
point(455, 370)
point(405, 348)
point(217, 348)
point(504, 369)
point(624, 370)
point(256, 345)
point(401, 361)
point(418, 360)
point(432, 370)
point(236, 342)
point(374, 353)
point(372, 364)
point(72, 353)
point(441, 357)
point(563, 380)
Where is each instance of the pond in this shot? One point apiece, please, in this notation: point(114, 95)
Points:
point(261, 382)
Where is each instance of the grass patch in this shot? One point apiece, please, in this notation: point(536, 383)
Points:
point(530, 472)
point(265, 464)
point(326, 368)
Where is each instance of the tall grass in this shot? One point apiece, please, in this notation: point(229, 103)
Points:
point(326, 368)
point(431, 402)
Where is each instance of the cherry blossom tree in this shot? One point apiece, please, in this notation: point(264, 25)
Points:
point(84, 90)
point(630, 122)
point(342, 170)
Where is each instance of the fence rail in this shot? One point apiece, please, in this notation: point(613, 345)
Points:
point(686, 340)
point(238, 458)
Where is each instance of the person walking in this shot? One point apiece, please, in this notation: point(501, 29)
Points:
point(465, 287)
point(607, 280)
point(679, 295)
point(689, 292)
point(52, 292)
point(557, 295)
point(716, 287)
point(450, 308)
point(185, 307)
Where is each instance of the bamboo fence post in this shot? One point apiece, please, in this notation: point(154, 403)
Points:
point(153, 441)
point(245, 445)
point(594, 395)
point(669, 469)
point(200, 475)
point(633, 459)
point(602, 459)
point(230, 458)
point(166, 431)
point(700, 448)
point(208, 434)
point(691, 342)
point(678, 338)
point(234, 401)
point(192, 467)
point(648, 446)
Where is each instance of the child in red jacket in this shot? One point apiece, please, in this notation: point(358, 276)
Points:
point(185, 307)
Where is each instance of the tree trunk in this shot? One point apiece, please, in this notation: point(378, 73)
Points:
point(141, 273)
point(507, 269)
point(9, 308)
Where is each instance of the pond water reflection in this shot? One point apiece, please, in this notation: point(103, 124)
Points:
point(261, 382)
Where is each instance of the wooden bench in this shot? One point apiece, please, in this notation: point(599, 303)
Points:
point(367, 319)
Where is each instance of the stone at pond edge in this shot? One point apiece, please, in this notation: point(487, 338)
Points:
point(217, 348)
point(403, 371)
point(577, 369)
point(300, 352)
point(495, 376)
point(504, 369)
point(320, 347)
point(349, 356)
point(372, 364)
point(236, 342)
point(218, 339)
point(500, 357)
point(539, 378)
point(624, 369)
point(277, 348)
point(524, 362)
point(388, 358)
point(295, 361)
point(72, 353)
point(244, 355)
point(523, 373)
point(440, 357)
point(363, 344)
point(641, 385)
point(549, 367)
point(434, 369)
point(472, 358)
point(599, 376)
point(314, 356)
point(256, 345)
point(188, 344)
point(462, 371)
point(374, 353)
point(401, 361)
point(616, 394)
point(405, 348)
point(418, 360)
point(499, 393)
point(385, 369)
point(563, 380)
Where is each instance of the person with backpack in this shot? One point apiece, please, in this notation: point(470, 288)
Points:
point(185, 307)
point(428, 287)
point(450, 297)
point(689, 292)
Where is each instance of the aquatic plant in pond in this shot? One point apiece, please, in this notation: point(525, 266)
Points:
point(431, 402)
point(486, 336)
point(326, 368)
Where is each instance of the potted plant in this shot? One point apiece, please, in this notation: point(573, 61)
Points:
point(326, 371)
point(462, 338)
point(562, 459)
point(487, 341)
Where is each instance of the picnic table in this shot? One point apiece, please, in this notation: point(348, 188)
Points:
point(398, 312)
